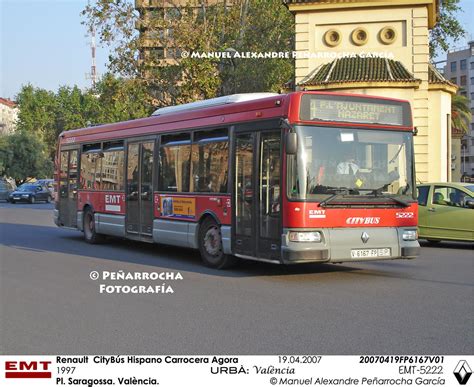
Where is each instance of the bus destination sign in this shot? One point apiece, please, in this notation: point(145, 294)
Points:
point(358, 110)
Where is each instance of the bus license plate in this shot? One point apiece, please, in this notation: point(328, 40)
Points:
point(370, 253)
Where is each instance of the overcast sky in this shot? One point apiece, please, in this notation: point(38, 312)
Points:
point(43, 43)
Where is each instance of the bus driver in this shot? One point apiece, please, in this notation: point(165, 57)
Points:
point(348, 167)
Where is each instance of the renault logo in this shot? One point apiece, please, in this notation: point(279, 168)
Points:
point(365, 237)
point(462, 372)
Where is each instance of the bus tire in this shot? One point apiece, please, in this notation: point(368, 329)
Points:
point(90, 235)
point(210, 246)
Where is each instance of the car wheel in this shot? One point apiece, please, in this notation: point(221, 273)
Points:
point(90, 235)
point(32, 200)
point(48, 199)
point(210, 246)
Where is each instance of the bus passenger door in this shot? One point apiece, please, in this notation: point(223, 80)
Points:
point(67, 190)
point(139, 216)
point(244, 196)
point(257, 225)
point(269, 185)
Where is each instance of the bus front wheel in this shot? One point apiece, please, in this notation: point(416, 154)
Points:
point(210, 246)
point(90, 235)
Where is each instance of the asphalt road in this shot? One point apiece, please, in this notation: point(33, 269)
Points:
point(49, 304)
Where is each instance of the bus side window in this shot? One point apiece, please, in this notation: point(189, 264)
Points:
point(112, 170)
point(175, 157)
point(88, 171)
point(210, 156)
point(63, 166)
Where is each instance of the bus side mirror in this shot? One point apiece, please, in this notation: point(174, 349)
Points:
point(291, 143)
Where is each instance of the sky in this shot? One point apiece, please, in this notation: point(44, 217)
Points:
point(42, 42)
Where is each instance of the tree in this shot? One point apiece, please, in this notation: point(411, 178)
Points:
point(448, 28)
point(118, 99)
point(46, 114)
point(22, 155)
point(268, 27)
point(197, 27)
point(460, 113)
point(37, 110)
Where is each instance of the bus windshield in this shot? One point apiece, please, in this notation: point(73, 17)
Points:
point(356, 163)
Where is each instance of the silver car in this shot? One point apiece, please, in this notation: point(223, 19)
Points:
point(6, 188)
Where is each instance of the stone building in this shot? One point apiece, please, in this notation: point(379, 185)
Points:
point(379, 47)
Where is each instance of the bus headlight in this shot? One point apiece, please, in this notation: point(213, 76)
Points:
point(304, 236)
point(410, 235)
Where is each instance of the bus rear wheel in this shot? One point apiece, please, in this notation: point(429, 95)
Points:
point(210, 246)
point(90, 235)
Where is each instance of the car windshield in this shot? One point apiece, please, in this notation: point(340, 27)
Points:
point(27, 187)
point(470, 187)
point(354, 162)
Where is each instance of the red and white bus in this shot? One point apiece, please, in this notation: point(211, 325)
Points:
point(301, 177)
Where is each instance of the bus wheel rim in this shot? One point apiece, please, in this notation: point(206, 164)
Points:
point(212, 241)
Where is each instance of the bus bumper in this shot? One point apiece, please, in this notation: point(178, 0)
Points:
point(336, 245)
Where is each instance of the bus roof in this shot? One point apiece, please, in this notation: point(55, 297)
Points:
point(238, 108)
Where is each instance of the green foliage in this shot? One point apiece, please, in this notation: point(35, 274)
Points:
point(448, 28)
point(22, 155)
point(46, 114)
point(268, 27)
point(37, 110)
point(460, 113)
point(243, 25)
point(119, 99)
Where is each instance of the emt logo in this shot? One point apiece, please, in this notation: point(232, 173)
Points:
point(27, 369)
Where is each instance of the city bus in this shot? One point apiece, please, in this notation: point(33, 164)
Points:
point(291, 178)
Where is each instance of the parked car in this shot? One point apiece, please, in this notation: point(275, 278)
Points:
point(446, 211)
point(31, 193)
point(6, 188)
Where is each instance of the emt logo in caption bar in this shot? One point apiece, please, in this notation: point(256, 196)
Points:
point(27, 369)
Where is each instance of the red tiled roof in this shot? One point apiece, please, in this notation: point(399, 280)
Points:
point(7, 102)
point(359, 69)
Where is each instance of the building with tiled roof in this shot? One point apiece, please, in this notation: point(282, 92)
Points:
point(8, 116)
point(379, 47)
point(356, 70)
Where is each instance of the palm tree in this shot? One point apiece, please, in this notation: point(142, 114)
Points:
point(460, 113)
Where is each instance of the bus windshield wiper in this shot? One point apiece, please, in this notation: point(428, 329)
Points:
point(398, 200)
point(376, 193)
point(338, 192)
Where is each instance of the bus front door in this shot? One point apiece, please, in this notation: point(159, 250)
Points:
point(256, 218)
point(67, 190)
point(139, 217)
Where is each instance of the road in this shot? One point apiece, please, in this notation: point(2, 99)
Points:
point(50, 305)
